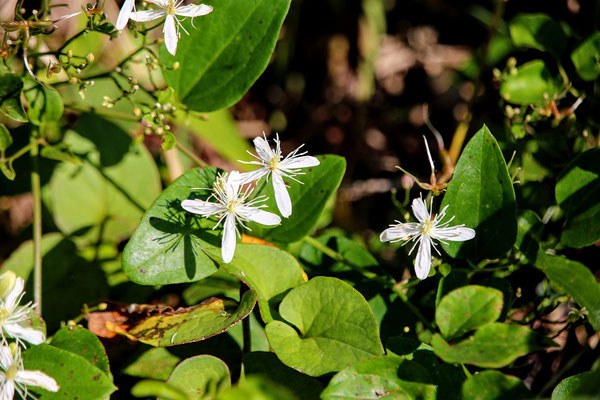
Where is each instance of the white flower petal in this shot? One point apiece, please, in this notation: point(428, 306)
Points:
point(8, 390)
point(148, 15)
point(30, 335)
point(6, 358)
point(193, 10)
point(234, 181)
point(299, 162)
point(423, 260)
point(453, 233)
point(201, 207)
point(37, 378)
point(160, 3)
point(247, 177)
point(229, 238)
point(263, 150)
point(13, 297)
point(398, 232)
point(420, 210)
point(124, 14)
point(171, 37)
point(282, 197)
point(260, 216)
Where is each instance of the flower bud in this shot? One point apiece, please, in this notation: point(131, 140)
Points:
point(7, 283)
point(176, 65)
point(407, 182)
point(90, 58)
point(70, 53)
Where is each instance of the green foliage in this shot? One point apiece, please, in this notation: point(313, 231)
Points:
point(45, 105)
point(82, 342)
point(577, 192)
point(155, 363)
point(200, 377)
point(538, 31)
point(467, 308)
point(482, 197)
point(220, 61)
point(337, 327)
point(580, 386)
point(585, 57)
point(75, 375)
point(5, 138)
point(10, 97)
point(493, 385)
point(531, 83)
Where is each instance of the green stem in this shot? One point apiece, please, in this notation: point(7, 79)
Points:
point(102, 111)
point(37, 224)
point(246, 334)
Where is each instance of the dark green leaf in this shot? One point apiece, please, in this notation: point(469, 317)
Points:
point(150, 388)
point(529, 233)
point(384, 377)
point(584, 385)
point(84, 343)
point(45, 105)
point(577, 193)
point(586, 58)
point(576, 280)
point(257, 265)
point(308, 198)
point(493, 346)
point(8, 170)
point(221, 60)
point(467, 308)
point(493, 385)
point(167, 246)
point(336, 325)
point(257, 388)
point(200, 377)
point(5, 138)
point(10, 97)
point(346, 247)
point(76, 377)
point(538, 31)
point(155, 363)
point(482, 197)
point(191, 324)
point(531, 84)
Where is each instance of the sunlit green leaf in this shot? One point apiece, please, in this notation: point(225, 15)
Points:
point(493, 385)
point(580, 386)
point(257, 388)
point(200, 377)
point(586, 57)
point(5, 138)
point(45, 105)
point(538, 31)
point(84, 343)
point(150, 388)
point(220, 60)
point(481, 196)
point(155, 363)
point(532, 84)
point(333, 327)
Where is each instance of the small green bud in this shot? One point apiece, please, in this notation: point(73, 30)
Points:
point(70, 53)
point(90, 58)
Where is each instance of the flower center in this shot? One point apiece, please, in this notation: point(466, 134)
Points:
point(233, 205)
point(4, 314)
point(426, 227)
point(274, 162)
point(11, 372)
point(171, 8)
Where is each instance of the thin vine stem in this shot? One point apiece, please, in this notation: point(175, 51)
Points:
point(37, 224)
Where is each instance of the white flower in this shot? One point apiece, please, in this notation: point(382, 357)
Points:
point(424, 232)
point(125, 14)
point(11, 317)
point(14, 377)
point(230, 205)
point(273, 164)
point(171, 8)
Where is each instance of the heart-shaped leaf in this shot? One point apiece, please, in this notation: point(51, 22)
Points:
point(467, 308)
point(201, 377)
point(187, 325)
point(482, 197)
point(76, 377)
point(266, 269)
point(538, 31)
point(531, 84)
point(84, 343)
point(577, 192)
point(167, 246)
point(492, 346)
point(221, 59)
point(336, 325)
point(155, 363)
point(488, 385)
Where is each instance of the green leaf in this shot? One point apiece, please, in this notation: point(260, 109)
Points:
point(166, 96)
point(76, 377)
point(59, 153)
point(258, 266)
point(10, 97)
point(221, 60)
point(584, 385)
point(336, 325)
point(200, 377)
point(538, 31)
point(576, 280)
point(150, 388)
point(529, 234)
point(257, 388)
point(191, 324)
point(267, 365)
point(167, 246)
point(586, 58)
point(5, 138)
point(84, 343)
point(308, 199)
point(481, 196)
point(383, 377)
point(493, 385)
point(467, 308)
point(110, 191)
point(169, 140)
point(492, 346)
point(155, 363)
point(577, 192)
point(531, 84)
point(229, 143)
point(45, 105)
point(346, 247)
point(8, 170)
